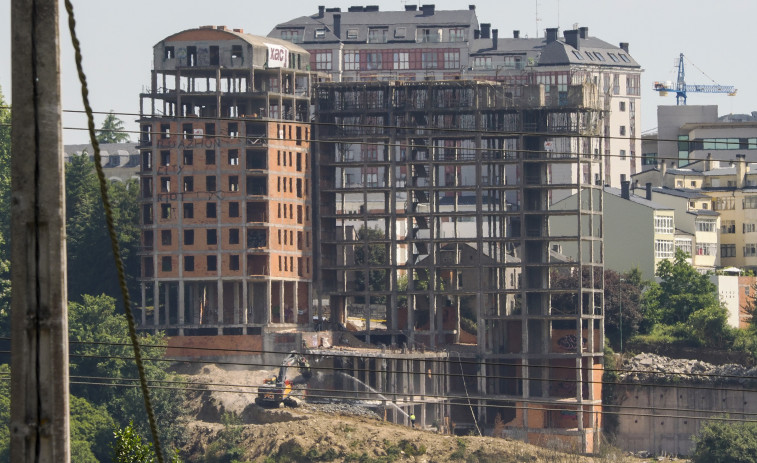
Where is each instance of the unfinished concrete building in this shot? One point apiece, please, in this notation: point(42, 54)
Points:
point(423, 241)
point(225, 185)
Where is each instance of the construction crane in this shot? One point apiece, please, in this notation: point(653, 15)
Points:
point(681, 88)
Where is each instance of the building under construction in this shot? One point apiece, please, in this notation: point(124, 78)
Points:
point(433, 232)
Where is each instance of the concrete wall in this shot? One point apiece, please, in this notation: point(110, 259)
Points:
point(662, 419)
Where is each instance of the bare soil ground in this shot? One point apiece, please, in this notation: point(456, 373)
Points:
point(325, 432)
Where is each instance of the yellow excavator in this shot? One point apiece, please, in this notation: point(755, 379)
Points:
point(279, 389)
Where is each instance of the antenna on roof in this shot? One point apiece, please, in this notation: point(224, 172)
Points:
point(536, 17)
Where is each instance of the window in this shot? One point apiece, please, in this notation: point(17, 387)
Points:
point(514, 62)
point(320, 33)
point(351, 34)
point(684, 244)
point(165, 211)
point(706, 249)
point(599, 56)
point(428, 35)
point(456, 35)
point(189, 237)
point(168, 53)
point(233, 183)
point(748, 228)
point(663, 224)
point(351, 60)
point(401, 60)
point(373, 61)
point(633, 83)
point(210, 157)
point(210, 210)
point(377, 34)
point(210, 183)
point(189, 263)
point(165, 184)
point(165, 263)
point(165, 158)
point(165, 237)
point(724, 204)
point(189, 210)
point(211, 236)
point(624, 57)
point(727, 250)
point(622, 130)
point(233, 157)
point(622, 154)
point(323, 60)
point(750, 250)
point(622, 105)
point(750, 202)
point(236, 51)
point(189, 183)
point(233, 236)
point(233, 209)
point(188, 131)
point(482, 62)
point(212, 263)
point(728, 226)
point(578, 55)
point(400, 32)
point(451, 60)
point(663, 249)
point(233, 262)
point(705, 225)
point(293, 35)
point(188, 157)
point(428, 60)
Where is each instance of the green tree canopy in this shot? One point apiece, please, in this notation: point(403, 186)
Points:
point(91, 269)
point(681, 292)
point(112, 130)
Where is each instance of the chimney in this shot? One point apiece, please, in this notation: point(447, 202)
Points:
point(516, 34)
point(583, 32)
point(411, 7)
point(495, 35)
point(338, 25)
point(740, 170)
point(485, 28)
point(551, 34)
point(476, 34)
point(663, 171)
point(649, 191)
point(371, 8)
point(355, 9)
point(624, 46)
point(624, 189)
point(571, 38)
point(472, 7)
point(428, 10)
point(708, 163)
point(241, 31)
point(321, 10)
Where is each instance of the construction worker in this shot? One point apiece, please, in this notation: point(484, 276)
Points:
point(412, 419)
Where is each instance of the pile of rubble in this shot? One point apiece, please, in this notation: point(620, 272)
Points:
point(658, 369)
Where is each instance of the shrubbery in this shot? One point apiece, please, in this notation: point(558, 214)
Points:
point(726, 441)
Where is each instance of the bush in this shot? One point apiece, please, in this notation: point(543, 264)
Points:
point(724, 441)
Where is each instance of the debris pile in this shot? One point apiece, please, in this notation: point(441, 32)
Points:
point(655, 368)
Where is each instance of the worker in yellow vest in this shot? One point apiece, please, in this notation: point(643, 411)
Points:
point(412, 420)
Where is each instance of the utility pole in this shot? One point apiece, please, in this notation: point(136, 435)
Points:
point(39, 426)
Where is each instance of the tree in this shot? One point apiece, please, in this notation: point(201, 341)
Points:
point(374, 256)
point(723, 441)
point(91, 431)
point(100, 347)
point(112, 130)
point(622, 294)
point(681, 292)
point(91, 268)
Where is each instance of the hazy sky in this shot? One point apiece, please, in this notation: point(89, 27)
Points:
point(118, 36)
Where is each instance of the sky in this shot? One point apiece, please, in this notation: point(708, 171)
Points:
point(117, 39)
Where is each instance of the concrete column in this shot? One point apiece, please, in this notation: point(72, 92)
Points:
point(237, 305)
point(268, 319)
point(295, 298)
point(282, 303)
point(219, 306)
point(180, 305)
point(246, 307)
point(167, 303)
point(143, 294)
point(156, 304)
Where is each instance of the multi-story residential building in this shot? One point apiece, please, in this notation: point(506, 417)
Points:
point(430, 158)
point(225, 185)
point(653, 224)
point(120, 160)
point(700, 225)
point(363, 44)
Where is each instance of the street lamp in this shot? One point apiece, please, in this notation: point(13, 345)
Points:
point(620, 296)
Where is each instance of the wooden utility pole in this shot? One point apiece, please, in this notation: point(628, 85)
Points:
point(39, 425)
